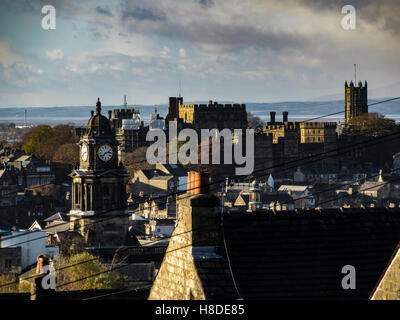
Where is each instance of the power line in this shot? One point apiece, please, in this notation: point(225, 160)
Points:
point(121, 266)
point(374, 140)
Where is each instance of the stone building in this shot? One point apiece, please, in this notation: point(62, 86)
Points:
point(207, 116)
point(9, 186)
point(99, 209)
point(10, 260)
point(356, 100)
point(130, 131)
point(285, 255)
point(293, 140)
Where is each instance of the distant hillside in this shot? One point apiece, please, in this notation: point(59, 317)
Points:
point(295, 108)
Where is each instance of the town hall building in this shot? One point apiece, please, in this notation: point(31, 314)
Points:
point(99, 210)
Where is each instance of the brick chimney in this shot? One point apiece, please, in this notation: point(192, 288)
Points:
point(195, 238)
point(198, 182)
point(199, 213)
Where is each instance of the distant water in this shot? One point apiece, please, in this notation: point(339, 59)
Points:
point(298, 111)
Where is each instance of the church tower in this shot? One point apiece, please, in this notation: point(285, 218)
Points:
point(99, 210)
point(356, 100)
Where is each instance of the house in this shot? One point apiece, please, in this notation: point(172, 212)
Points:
point(177, 171)
point(157, 208)
point(273, 201)
point(317, 175)
point(153, 182)
point(10, 258)
point(301, 194)
point(376, 189)
point(160, 227)
point(34, 171)
point(32, 244)
point(9, 186)
point(293, 255)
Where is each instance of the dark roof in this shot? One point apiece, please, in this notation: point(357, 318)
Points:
point(300, 255)
point(155, 173)
point(176, 170)
point(277, 197)
point(57, 217)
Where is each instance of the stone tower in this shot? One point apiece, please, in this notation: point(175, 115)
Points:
point(356, 100)
point(99, 211)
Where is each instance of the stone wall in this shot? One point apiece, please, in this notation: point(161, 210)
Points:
point(103, 229)
point(178, 278)
point(10, 260)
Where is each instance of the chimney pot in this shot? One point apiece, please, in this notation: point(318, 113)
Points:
point(272, 115)
point(285, 116)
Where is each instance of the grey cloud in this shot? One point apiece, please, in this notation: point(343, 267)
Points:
point(104, 11)
point(140, 13)
point(370, 11)
point(206, 3)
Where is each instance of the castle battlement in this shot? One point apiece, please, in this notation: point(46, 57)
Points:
point(124, 113)
point(311, 125)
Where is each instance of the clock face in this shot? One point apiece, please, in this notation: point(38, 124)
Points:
point(105, 152)
point(84, 152)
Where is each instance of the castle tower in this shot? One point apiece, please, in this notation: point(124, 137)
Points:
point(98, 188)
point(356, 100)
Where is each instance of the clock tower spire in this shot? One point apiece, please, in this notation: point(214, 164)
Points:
point(98, 190)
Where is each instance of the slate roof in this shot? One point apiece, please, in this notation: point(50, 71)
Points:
point(57, 226)
point(176, 170)
point(300, 254)
point(57, 217)
point(294, 188)
point(156, 174)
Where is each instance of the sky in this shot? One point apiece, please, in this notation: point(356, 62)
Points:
point(221, 50)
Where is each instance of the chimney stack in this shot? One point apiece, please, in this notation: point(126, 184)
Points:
point(198, 183)
point(272, 114)
point(285, 116)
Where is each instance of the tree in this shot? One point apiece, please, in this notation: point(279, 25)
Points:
point(367, 127)
point(36, 142)
point(371, 125)
point(67, 153)
point(254, 122)
point(44, 141)
point(83, 271)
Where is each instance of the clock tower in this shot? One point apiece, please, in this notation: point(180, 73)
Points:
point(99, 210)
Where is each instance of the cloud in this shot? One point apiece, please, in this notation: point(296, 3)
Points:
point(56, 54)
point(206, 3)
point(182, 53)
point(141, 13)
point(104, 11)
point(165, 52)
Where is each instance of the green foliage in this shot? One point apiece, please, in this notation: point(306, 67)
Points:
point(86, 273)
point(371, 125)
point(9, 283)
point(47, 142)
